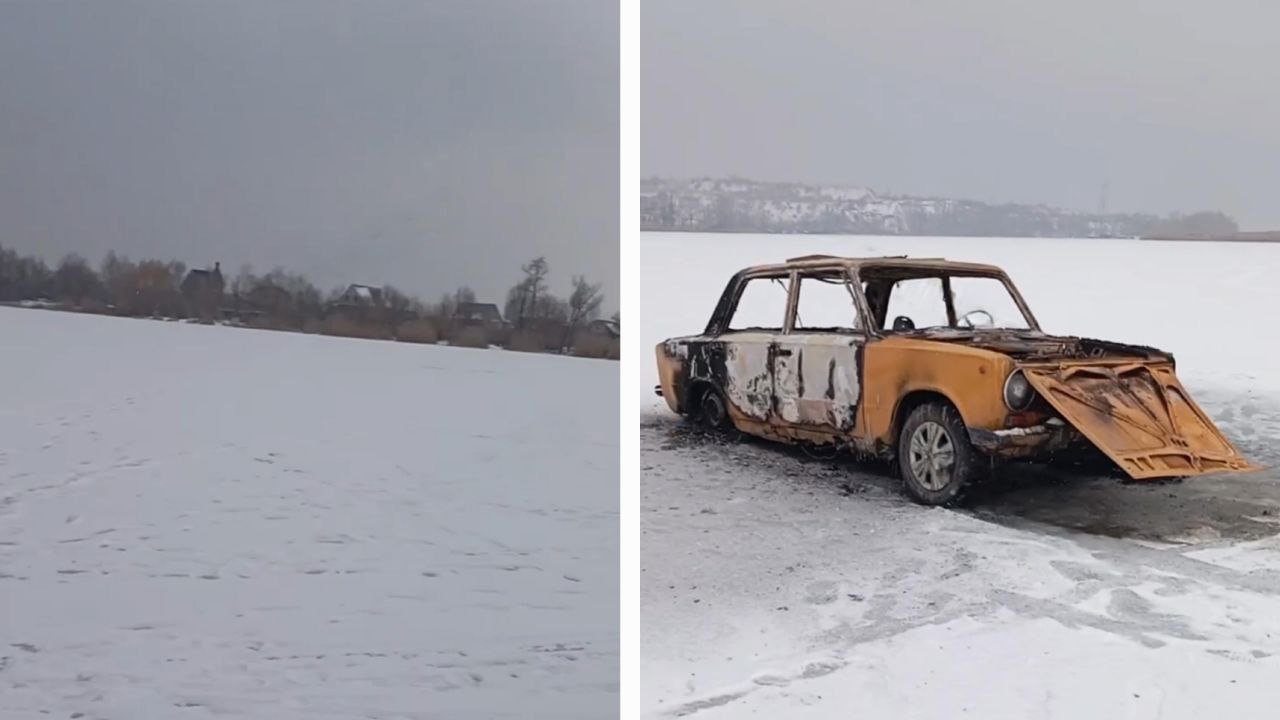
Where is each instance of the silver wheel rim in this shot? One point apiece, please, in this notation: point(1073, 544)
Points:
point(931, 456)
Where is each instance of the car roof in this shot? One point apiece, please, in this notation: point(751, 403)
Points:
point(888, 261)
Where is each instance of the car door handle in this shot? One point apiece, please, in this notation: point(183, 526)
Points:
point(784, 352)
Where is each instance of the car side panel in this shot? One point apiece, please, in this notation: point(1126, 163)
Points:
point(748, 381)
point(817, 380)
point(737, 364)
point(971, 379)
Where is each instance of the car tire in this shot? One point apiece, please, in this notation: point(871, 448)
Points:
point(935, 458)
point(713, 412)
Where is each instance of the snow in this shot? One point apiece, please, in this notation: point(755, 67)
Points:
point(775, 585)
point(205, 521)
point(845, 193)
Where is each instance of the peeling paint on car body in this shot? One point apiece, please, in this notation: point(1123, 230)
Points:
point(851, 387)
point(817, 382)
point(747, 380)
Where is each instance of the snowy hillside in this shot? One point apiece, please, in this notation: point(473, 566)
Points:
point(778, 585)
point(738, 205)
point(204, 521)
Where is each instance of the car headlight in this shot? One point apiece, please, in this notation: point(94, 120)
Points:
point(1018, 392)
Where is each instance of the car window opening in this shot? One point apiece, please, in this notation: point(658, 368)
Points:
point(761, 305)
point(830, 304)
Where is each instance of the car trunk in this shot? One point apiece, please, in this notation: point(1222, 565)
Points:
point(1138, 414)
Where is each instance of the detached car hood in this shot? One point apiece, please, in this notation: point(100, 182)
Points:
point(1138, 414)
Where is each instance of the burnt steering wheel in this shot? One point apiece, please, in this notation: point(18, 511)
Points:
point(967, 320)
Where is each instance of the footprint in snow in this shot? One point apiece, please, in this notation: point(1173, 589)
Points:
point(823, 592)
point(818, 669)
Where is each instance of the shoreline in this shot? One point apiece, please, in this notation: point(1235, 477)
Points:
point(1253, 238)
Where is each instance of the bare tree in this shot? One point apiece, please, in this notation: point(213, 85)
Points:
point(584, 305)
point(444, 309)
point(308, 303)
point(535, 277)
point(522, 300)
point(76, 281)
point(550, 309)
point(517, 299)
point(22, 278)
point(449, 303)
point(298, 299)
point(396, 301)
point(244, 282)
point(118, 275)
point(155, 289)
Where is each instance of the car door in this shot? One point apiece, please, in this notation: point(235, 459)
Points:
point(747, 344)
point(816, 368)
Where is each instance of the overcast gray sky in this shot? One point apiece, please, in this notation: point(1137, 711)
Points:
point(423, 144)
point(1173, 102)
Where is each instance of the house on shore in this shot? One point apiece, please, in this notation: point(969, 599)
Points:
point(603, 328)
point(478, 313)
point(359, 303)
point(202, 292)
point(483, 316)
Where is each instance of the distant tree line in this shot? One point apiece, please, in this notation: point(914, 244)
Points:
point(532, 318)
point(741, 205)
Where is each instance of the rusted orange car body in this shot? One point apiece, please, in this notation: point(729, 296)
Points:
point(853, 385)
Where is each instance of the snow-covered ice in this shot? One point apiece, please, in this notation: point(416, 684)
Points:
point(201, 521)
point(776, 585)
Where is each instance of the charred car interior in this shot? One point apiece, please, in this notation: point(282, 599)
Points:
point(938, 366)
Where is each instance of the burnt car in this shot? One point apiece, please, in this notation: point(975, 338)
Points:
point(937, 365)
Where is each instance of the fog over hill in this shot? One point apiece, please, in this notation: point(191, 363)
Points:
point(740, 205)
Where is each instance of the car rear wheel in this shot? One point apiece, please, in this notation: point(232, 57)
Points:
point(937, 461)
point(713, 413)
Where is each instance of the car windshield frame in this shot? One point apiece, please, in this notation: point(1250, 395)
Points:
point(893, 273)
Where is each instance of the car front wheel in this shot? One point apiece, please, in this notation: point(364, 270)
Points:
point(936, 459)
